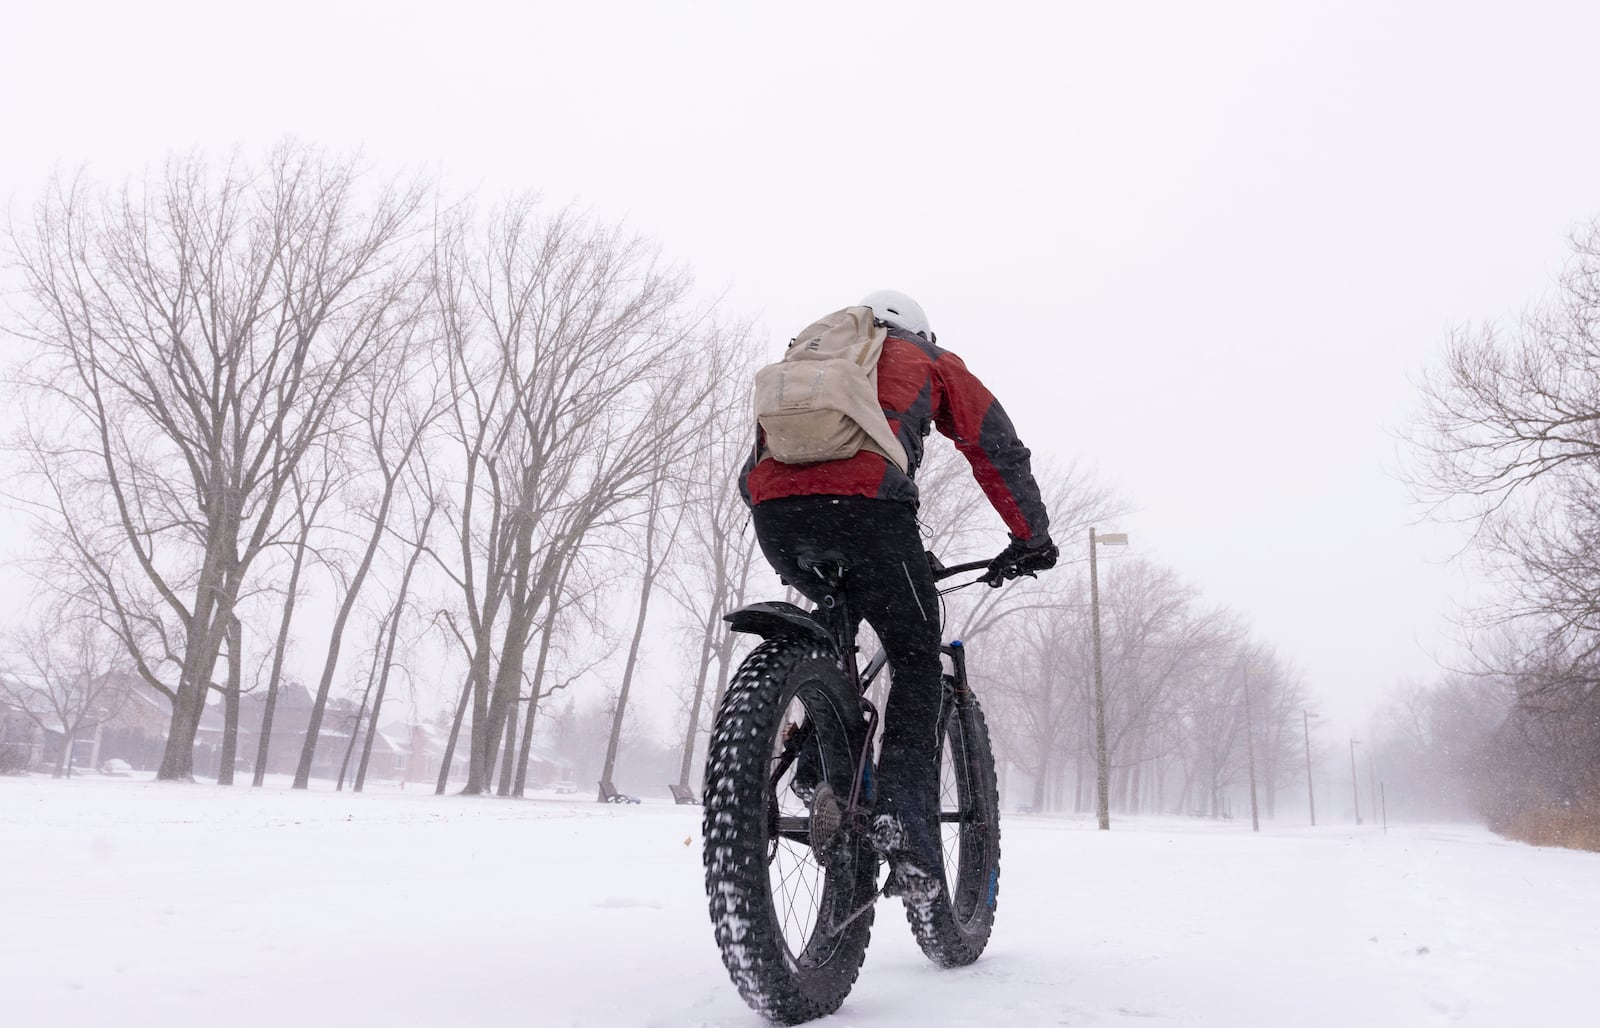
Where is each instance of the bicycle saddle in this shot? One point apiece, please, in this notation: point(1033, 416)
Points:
point(828, 565)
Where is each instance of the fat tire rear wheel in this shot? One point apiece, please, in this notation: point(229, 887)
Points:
point(775, 907)
point(954, 932)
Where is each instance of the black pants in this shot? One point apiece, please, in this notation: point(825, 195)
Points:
point(889, 585)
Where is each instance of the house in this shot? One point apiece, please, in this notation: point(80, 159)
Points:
point(21, 741)
point(136, 730)
point(291, 720)
point(547, 769)
point(134, 722)
point(412, 753)
point(408, 753)
point(127, 719)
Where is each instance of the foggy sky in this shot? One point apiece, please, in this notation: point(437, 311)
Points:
point(1206, 252)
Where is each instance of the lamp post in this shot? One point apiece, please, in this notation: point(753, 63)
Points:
point(1311, 792)
point(1250, 750)
point(1102, 769)
point(1355, 783)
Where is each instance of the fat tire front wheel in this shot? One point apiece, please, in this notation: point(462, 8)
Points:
point(955, 929)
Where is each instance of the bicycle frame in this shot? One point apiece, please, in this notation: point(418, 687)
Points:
point(794, 851)
point(830, 622)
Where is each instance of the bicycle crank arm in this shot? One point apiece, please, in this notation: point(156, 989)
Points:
point(837, 928)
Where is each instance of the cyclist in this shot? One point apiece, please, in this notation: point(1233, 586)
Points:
point(862, 509)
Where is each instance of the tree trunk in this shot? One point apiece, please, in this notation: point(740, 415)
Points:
point(302, 774)
point(648, 583)
point(693, 731)
point(350, 747)
point(506, 693)
point(230, 703)
point(279, 650)
point(508, 759)
point(455, 733)
point(202, 643)
point(725, 649)
point(478, 695)
point(388, 644)
point(536, 687)
point(724, 666)
point(65, 754)
point(361, 715)
point(383, 684)
point(535, 692)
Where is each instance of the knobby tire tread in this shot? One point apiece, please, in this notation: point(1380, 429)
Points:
point(738, 837)
point(948, 937)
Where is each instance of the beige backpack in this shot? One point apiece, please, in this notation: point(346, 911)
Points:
point(820, 402)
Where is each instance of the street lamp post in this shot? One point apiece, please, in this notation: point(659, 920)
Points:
point(1311, 792)
point(1102, 770)
point(1355, 783)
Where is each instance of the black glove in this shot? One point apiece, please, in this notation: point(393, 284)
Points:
point(1021, 557)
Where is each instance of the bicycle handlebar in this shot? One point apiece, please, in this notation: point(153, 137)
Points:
point(997, 573)
point(941, 572)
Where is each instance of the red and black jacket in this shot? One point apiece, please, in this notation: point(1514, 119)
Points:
point(920, 386)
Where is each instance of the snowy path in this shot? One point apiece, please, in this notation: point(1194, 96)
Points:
point(128, 904)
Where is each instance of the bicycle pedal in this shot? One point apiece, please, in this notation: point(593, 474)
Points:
point(916, 887)
point(886, 834)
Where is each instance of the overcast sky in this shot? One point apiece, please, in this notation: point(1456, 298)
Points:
point(1205, 249)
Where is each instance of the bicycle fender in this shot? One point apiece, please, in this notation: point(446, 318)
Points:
point(775, 618)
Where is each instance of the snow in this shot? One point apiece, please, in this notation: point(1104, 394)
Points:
point(127, 903)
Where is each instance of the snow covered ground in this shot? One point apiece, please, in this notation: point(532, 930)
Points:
point(125, 903)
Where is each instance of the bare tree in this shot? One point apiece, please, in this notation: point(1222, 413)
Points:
point(384, 629)
point(1036, 670)
point(564, 348)
point(308, 498)
point(1160, 641)
point(720, 550)
point(1033, 685)
point(560, 611)
point(1278, 693)
point(194, 336)
point(1500, 414)
point(1509, 441)
point(62, 677)
point(394, 618)
point(663, 522)
point(393, 415)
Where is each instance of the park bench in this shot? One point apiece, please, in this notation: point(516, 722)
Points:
point(682, 794)
point(609, 794)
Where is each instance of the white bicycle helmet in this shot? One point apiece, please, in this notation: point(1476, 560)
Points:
point(899, 310)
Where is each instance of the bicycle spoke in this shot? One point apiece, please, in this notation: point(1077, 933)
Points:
point(800, 917)
point(952, 789)
point(798, 880)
